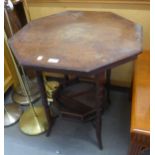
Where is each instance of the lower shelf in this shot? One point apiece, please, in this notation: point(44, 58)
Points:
point(78, 101)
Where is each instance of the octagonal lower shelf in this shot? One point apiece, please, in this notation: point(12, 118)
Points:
point(78, 101)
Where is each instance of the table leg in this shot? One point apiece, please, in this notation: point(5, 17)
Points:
point(44, 101)
point(108, 83)
point(99, 80)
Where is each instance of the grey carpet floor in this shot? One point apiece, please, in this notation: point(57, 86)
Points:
point(70, 137)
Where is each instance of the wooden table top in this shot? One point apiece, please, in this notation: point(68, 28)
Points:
point(140, 115)
point(78, 41)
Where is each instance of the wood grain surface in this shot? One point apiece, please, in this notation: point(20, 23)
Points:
point(140, 115)
point(81, 41)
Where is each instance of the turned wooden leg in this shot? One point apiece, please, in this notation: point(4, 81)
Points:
point(66, 78)
point(108, 83)
point(99, 80)
point(44, 101)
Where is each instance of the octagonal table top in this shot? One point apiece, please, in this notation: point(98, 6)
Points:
point(77, 41)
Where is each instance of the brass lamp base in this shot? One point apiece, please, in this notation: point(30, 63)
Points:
point(12, 114)
point(33, 86)
point(31, 124)
point(23, 100)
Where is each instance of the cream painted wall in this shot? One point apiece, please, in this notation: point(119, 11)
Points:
point(121, 75)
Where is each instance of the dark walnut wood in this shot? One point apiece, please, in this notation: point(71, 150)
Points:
point(78, 100)
point(77, 41)
point(139, 143)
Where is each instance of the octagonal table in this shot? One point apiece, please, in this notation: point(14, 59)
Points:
point(79, 42)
